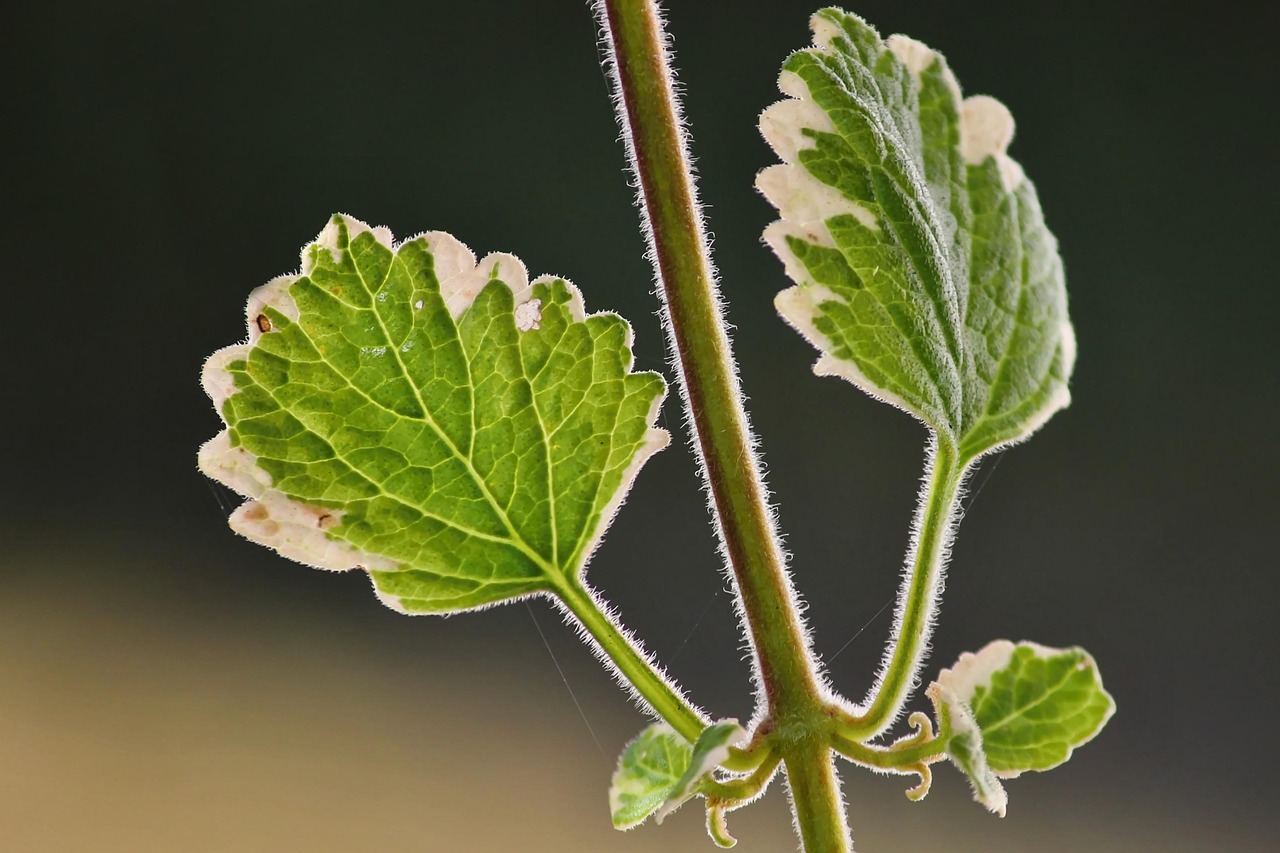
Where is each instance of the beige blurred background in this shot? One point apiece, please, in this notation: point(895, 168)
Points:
point(131, 722)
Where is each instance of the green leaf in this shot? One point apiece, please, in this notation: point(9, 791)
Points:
point(1019, 707)
point(659, 771)
point(711, 750)
point(924, 271)
point(460, 433)
point(964, 748)
point(649, 771)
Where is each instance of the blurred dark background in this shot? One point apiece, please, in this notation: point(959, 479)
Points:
point(165, 685)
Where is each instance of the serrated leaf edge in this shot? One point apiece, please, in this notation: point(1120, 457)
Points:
point(296, 529)
point(804, 203)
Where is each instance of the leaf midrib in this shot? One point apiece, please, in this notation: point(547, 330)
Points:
point(516, 539)
point(381, 488)
point(952, 340)
point(896, 147)
point(1021, 710)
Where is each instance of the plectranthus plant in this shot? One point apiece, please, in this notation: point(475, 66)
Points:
point(464, 434)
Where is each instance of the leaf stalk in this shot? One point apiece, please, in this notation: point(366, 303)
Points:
point(631, 663)
point(918, 600)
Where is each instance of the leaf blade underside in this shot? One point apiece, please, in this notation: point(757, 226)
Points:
point(461, 433)
point(924, 271)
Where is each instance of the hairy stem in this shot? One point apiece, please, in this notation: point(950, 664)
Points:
point(703, 353)
point(918, 600)
point(661, 695)
point(788, 684)
point(899, 758)
point(815, 800)
point(744, 788)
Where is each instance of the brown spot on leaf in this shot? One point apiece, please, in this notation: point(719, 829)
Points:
point(264, 323)
point(255, 512)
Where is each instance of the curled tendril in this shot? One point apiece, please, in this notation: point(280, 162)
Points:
point(717, 827)
point(923, 726)
point(919, 792)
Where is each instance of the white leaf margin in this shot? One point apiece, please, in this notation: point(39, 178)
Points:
point(296, 529)
point(623, 784)
point(987, 789)
point(805, 204)
point(977, 669)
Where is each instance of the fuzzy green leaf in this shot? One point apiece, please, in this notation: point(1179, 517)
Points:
point(649, 772)
point(463, 435)
point(924, 271)
point(1019, 707)
point(709, 752)
point(965, 751)
point(660, 771)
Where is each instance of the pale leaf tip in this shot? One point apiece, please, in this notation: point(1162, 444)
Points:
point(331, 238)
point(508, 269)
point(825, 30)
point(390, 600)
point(656, 439)
point(974, 669)
point(233, 467)
point(986, 128)
point(916, 55)
point(1067, 341)
point(450, 257)
point(576, 306)
point(798, 305)
point(274, 295)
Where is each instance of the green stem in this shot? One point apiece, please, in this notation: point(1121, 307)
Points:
point(665, 699)
point(703, 354)
point(918, 603)
point(788, 687)
point(745, 788)
point(816, 801)
point(893, 758)
point(640, 672)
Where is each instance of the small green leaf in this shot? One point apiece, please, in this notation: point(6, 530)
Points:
point(1019, 707)
point(659, 771)
point(460, 433)
point(649, 771)
point(964, 748)
point(924, 271)
point(711, 750)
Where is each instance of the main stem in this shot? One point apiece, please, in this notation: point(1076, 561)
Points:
point(783, 659)
point(812, 780)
